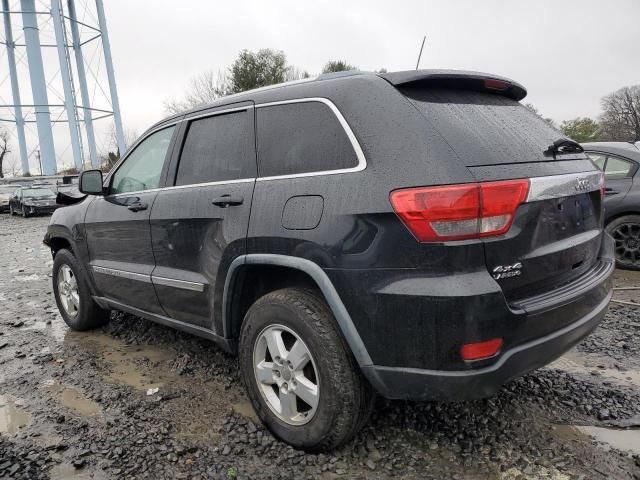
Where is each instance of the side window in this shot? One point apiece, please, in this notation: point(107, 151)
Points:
point(142, 167)
point(617, 167)
point(301, 138)
point(598, 159)
point(218, 148)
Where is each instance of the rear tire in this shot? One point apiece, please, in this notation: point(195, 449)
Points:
point(626, 235)
point(73, 296)
point(343, 398)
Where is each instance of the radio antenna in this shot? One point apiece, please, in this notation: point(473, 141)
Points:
point(420, 54)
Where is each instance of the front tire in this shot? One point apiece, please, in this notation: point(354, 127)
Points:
point(11, 212)
point(626, 235)
point(73, 296)
point(24, 213)
point(299, 373)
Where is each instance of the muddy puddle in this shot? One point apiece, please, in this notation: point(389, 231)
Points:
point(243, 407)
point(73, 399)
point(12, 416)
point(139, 366)
point(575, 362)
point(620, 439)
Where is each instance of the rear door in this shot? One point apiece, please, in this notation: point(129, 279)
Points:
point(199, 223)
point(117, 225)
point(556, 234)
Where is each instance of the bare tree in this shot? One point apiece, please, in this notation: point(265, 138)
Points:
point(620, 120)
point(11, 166)
point(4, 149)
point(203, 88)
point(294, 73)
point(249, 70)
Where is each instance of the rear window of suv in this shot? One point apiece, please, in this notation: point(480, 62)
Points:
point(485, 128)
point(302, 137)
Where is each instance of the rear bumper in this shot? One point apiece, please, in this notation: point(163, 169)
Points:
point(413, 326)
point(418, 384)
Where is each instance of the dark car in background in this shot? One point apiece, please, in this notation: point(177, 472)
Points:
point(620, 162)
point(33, 200)
point(418, 234)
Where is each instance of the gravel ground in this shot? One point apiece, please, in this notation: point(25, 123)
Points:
point(77, 405)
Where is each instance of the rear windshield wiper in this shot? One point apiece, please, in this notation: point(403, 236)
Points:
point(563, 145)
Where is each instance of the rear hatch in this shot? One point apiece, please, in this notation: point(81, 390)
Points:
point(556, 233)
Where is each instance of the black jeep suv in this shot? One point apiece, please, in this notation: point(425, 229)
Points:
point(417, 234)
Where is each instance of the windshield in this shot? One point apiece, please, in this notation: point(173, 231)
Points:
point(66, 188)
point(7, 190)
point(38, 192)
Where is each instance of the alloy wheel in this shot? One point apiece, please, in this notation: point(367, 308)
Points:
point(68, 291)
point(286, 374)
point(627, 243)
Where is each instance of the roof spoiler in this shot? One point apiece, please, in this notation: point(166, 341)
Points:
point(457, 79)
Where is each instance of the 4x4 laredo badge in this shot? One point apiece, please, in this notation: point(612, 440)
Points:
point(507, 271)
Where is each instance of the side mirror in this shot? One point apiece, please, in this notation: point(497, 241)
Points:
point(91, 182)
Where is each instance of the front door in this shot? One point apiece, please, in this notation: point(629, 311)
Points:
point(117, 225)
point(199, 225)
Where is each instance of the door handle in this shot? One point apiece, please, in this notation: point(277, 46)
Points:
point(138, 206)
point(224, 201)
point(610, 191)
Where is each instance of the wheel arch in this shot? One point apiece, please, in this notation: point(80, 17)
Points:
point(57, 238)
point(306, 270)
point(622, 213)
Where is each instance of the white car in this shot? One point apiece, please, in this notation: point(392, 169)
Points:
point(5, 193)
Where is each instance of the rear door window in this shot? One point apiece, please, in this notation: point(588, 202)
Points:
point(298, 138)
point(218, 148)
point(617, 167)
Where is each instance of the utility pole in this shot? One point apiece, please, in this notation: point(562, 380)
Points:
point(39, 161)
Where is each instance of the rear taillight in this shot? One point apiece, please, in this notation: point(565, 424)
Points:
point(459, 212)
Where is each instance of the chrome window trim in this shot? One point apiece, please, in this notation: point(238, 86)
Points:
point(172, 282)
point(141, 277)
point(566, 185)
point(217, 112)
point(179, 187)
point(362, 161)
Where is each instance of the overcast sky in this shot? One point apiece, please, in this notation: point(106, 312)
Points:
point(568, 53)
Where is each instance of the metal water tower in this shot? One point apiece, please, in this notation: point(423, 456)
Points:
point(34, 27)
